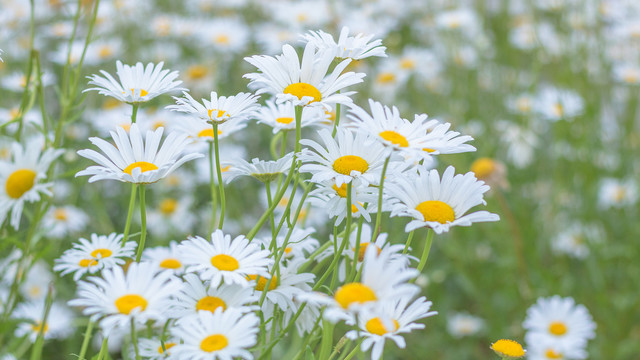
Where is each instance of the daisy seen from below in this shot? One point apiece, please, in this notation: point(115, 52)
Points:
point(116, 298)
point(58, 324)
point(21, 179)
point(508, 349)
point(91, 256)
point(218, 335)
point(224, 260)
point(388, 320)
point(303, 82)
point(136, 84)
point(281, 117)
point(346, 158)
point(438, 203)
point(264, 171)
point(135, 160)
point(219, 109)
point(355, 47)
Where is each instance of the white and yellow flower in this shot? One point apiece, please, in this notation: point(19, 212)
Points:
point(220, 108)
point(154, 349)
point(281, 117)
point(355, 47)
point(261, 170)
point(58, 325)
point(63, 220)
point(165, 257)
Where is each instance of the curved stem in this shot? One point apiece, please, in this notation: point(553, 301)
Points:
point(212, 187)
point(134, 340)
point(132, 203)
point(219, 172)
point(85, 341)
point(143, 224)
point(406, 246)
point(347, 232)
point(376, 229)
point(426, 250)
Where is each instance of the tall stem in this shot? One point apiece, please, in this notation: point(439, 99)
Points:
point(337, 122)
point(134, 339)
point(219, 172)
point(347, 233)
point(376, 230)
point(132, 203)
point(85, 341)
point(134, 113)
point(143, 224)
point(212, 188)
point(408, 244)
point(426, 250)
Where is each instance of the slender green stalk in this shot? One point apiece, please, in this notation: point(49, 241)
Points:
point(298, 147)
point(356, 250)
point(104, 349)
point(274, 142)
point(376, 229)
point(272, 246)
point(36, 351)
point(426, 250)
point(327, 339)
point(132, 203)
point(313, 256)
point(337, 122)
point(134, 339)
point(219, 172)
point(406, 246)
point(134, 113)
point(143, 224)
point(354, 351)
point(212, 188)
point(341, 344)
point(85, 341)
point(347, 233)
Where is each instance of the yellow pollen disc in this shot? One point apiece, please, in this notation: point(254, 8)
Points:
point(631, 78)
point(110, 103)
point(60, 214)
point(508, 348)
point(284, 120)
point(435, 210)
point(354, 208)
point(88, 262)
point(557, 328)
point(301, 17)
point(128, 303)
point(341, 191)
point(262, 282)
point(619, 194)
point(301, 89)
point(143, 165)
point(170, 264)
point(354, 293)
point(225, 168)
point(287, 250)
point(363, 249)
point(196, 72)
point(167, 346)
point(168, 206)
point(386, 78)
point(210, 303)
point(558, 109)
point(103, 253)
point(126, 127)
point(208, 133)
point(483, 167)
point(375, 326)
point(143, 92)
point(14, 113)
point(37, 327)
point(104, 52)
point(550, 354)
point(225, 262)
point(222, 39)
point(523, 104)
point(395, 138)
point(214, 343)
point(19, 182)
point(218, 114)
point(428, 150)
point(346, 164)
point(407, 64)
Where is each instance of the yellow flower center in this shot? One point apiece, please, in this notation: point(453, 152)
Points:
point(127, 303)
point(262, 282)
point(341, 191)
point(102, 253)
point(435, 210)
point(196, 72)
point(225, 262)
point(557, 328)
point(301, 89)
point(37, 327)
point(354, 293)
point(170, 263)
point(19, 182)
point(363, 249)
point(483, 167)
point(14, 113)
point(395, 138)
point(88, 262)
point(428, 150)
point(346, 164)
point(168, 206)
point(523, 104)
point(218, 113)
point(375, 326)
point(60, 214)
point(284, 120)
point(167, 346)
point(104, 52)
point(558, 110)
point(222, 39)
point(506, 347)
point(110, 103)
point(225, 168)
point(143, 165)
point(287, 250)
point(407, 64)
point(208, 133)
point(210, 303)
point(550, 354)
point(214, 343)
point(386, 78)
point(143, 92)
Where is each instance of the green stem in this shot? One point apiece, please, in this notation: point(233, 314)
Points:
point(134, 113)
point(347, 233)
point(85, 341)
point(36, 351)
point(376, 229)
point(219, 172)
point(406, 246)
point(337, 122)
point(298, 147)
point(212, 188)
point(426, 250)
point(134, 340)
point(104, 349)
point(356, 252)
point(354, 351)
point(143, 224)
point(273, 244)
point(132, 203)
point(327, 340)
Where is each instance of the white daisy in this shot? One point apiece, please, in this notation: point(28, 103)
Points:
point(171, 215)
point(102, 252)
point(223, 259)
point(281, 117)
point(355, 47)
point(616, 193)
point(133, 160)
point(21, 179)
point(303, 82)
point(333, 199)
point(154, 349)
point(264, 171)
point(220, 109)
point(387, 321)
point(547, 349)
point(554, 104)
point(137, 83)
point(117, 298)
point(347, 157)
point(221, 335)
point(462, 324)
point(37, 282)
point(195, 296)
point(438, 204)
point(299, 246)
point(165, 258)
point(200, 132)
point(59, 324)
point(63, 220)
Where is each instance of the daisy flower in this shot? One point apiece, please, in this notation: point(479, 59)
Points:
point(140, 294)
point(438, 204)
point(133, 160)
point(303, 82)
point(264, 171)
point(281, 117)
point(219, 109)
point(195, 296)
point(199, 131)
point(36, 283)
point(508, 349)
point(299, 246)
point(63, 220)
point(547, 349)
point(102, 252)
point(355, 47)
point(221, 335)
point(59, 324)
point(21, 179)
point(462, 324)
point(137, 84)
point(559, 319)
point(347, 157)
point(171, 215)
point(165, 258)
point(222, 259)
point(387, 321)
point(153, 349)
point(555, 104)
point(333, 199)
